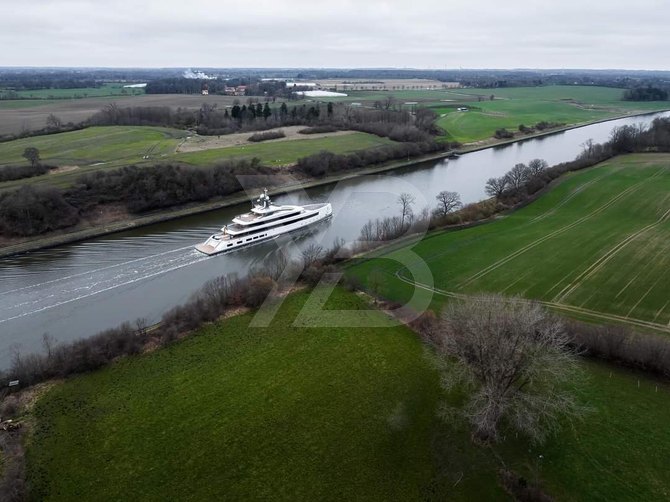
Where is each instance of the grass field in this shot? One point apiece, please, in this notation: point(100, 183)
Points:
point(107, 89)
point(598, 242)
point(241, 413)
point(104, 147)
point(530, 105)
point(31, 114)
point(286, 152)
point(290, 413)
point(95, 144)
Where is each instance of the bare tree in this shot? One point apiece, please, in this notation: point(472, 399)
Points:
point(311, 254)
point(495, 187)
point(406, 201)
point(517, 176)
point(141, 326)
point(514, 361)
point(389, 102)
point(53, 122)
point(447, 202)
point(536, 167)
point(32, 155)
point(48, 342)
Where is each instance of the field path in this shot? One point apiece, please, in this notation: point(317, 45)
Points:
point(640, 323)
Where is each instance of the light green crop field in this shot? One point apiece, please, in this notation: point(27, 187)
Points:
point(308, 413)
point(286, 152)
point(598, 244)
point(90, 149)
point(107, 89)
point(95, 144)
point(530, 105)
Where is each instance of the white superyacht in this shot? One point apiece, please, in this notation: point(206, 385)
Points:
point(265, 221)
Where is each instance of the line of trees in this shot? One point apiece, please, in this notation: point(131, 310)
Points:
point(396, 124)
point(648, 93)
point(143, 189)
point(325, 163)
point(522, 181)
point(32, 210)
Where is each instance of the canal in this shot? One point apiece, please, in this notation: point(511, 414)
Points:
point(77, 290)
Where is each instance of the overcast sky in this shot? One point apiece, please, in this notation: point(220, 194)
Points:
point(364, 33)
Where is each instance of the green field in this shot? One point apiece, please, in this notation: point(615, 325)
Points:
point(104, 147)
point(294, 413)
point(107, 89)
point(249, 413)
point(111, 144)
point(280, 153)
point(596, 246)
point(530, 105)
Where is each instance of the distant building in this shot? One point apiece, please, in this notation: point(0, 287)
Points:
point(240, 90)
point(205, 89)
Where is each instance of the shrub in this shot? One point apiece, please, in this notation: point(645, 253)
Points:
point(258, 290)
point(322, 129)
point(503, 134)
point(11, 173)
point(265, 136)
point(31, 211)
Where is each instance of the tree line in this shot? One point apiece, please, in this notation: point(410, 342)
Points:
point(648, 93)
point(398, 124)
point(326, 163)
point(36, 210)
point(522, 181)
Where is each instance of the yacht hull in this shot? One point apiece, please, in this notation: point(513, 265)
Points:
point(312, 214)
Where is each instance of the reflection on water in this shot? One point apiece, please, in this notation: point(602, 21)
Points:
point(77, 290)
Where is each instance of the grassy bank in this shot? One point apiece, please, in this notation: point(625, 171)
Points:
point(289, 412)
point(238, 412)
point(596, 242)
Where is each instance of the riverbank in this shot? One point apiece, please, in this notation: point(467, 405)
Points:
point(192, 209)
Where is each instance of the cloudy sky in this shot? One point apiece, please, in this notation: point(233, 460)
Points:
point(363, 33)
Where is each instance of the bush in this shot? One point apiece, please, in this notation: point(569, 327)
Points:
point(258, 290)
point(623, 346)
point(325, 162)
point(318, 129)
point(155, 187)
point(32, 211)
point(9, 407)
point(11, 173)
point(503, 134)
point(264, 136)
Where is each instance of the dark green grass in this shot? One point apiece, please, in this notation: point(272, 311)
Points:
point(295, 413)
point(238, 413)
point(562, 268)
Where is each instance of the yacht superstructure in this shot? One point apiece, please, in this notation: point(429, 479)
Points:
point(265, 221)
